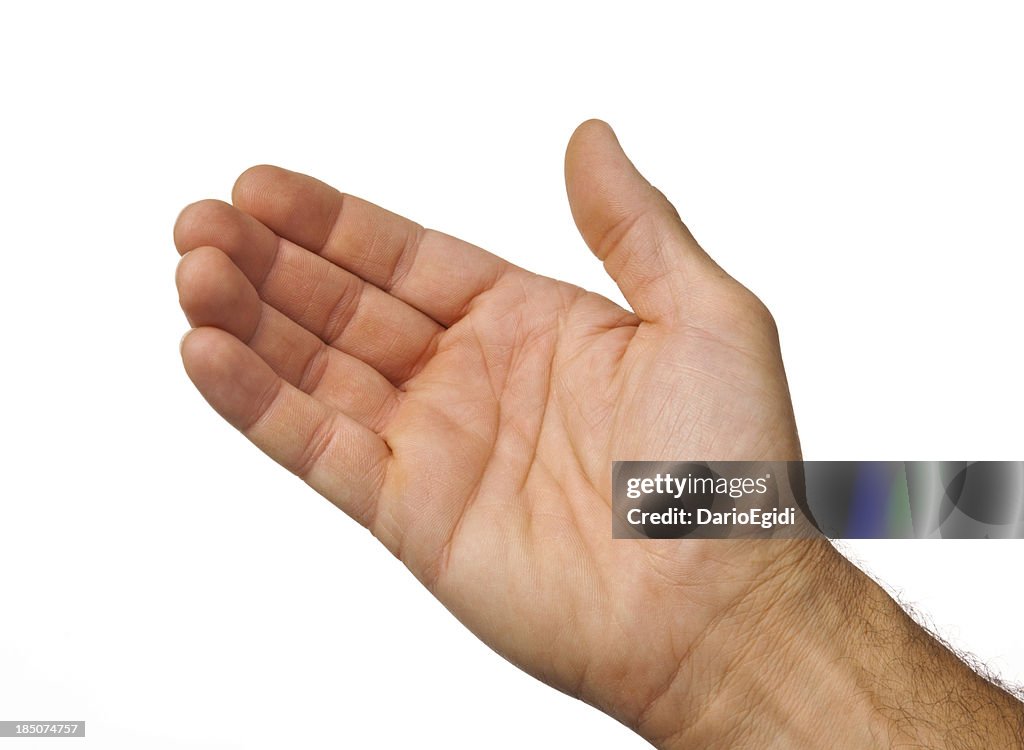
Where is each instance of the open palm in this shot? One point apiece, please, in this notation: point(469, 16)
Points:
point(468, 411)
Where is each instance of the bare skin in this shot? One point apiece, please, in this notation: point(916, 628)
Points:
point(467, 412)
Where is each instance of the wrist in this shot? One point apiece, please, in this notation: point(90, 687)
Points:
point(816, 654)
point(770, 672)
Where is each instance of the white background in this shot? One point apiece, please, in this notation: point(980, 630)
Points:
point(860, 169)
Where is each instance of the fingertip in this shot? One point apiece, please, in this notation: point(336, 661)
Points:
point(253, 181)
point(230, 376)
point(182, 225)
point(184, 271)
point(599, 177)
point(176, 229)
point(196, 346)
point(206, 354)
point(196, 276)
point(589, 135)
point(292, 204)
point(212, 291)
point(204, 221)
point(593, 126)
point(181, 343)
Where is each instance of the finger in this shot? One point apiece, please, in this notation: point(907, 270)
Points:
point(214, 292)
point(435, 273)
point(341, 459)
point(330, 302)
point(630, 225)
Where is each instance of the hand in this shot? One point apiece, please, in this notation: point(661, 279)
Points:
point(468, 412)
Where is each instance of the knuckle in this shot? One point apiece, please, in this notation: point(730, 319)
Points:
point(760, 313)
point(735, 303)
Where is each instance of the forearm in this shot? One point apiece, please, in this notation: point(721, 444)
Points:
point(925, 695)
point(818, 655)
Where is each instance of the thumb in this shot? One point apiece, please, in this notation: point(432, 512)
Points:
point(630, 225)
